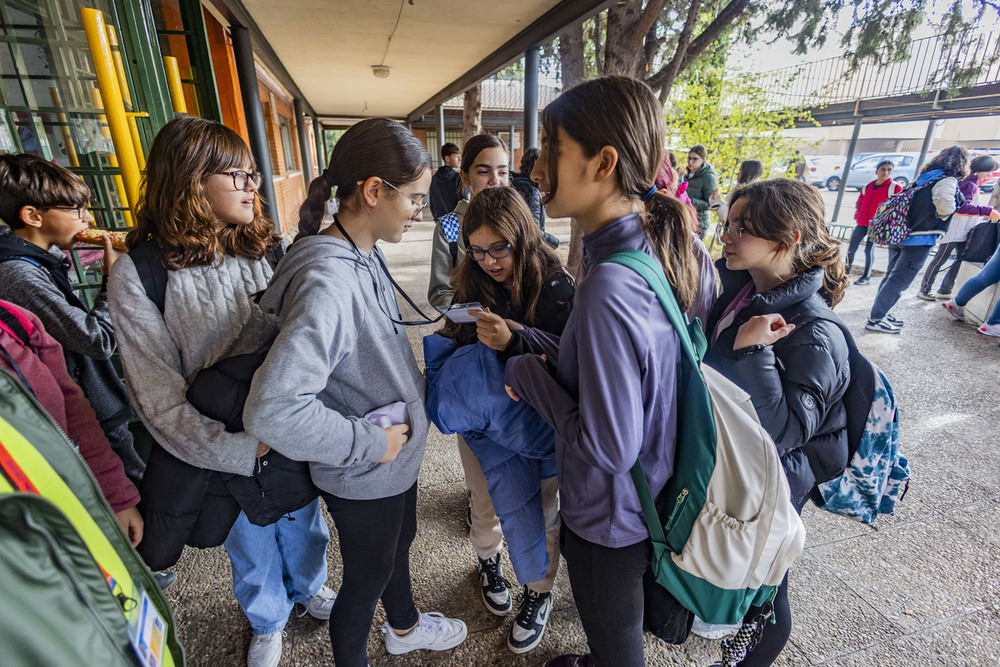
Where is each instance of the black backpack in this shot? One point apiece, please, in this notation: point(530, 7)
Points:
point(982, 242)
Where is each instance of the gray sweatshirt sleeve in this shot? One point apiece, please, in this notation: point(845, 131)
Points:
point(77, 330)
point(943, 195)
point(318, 329)
point(440, 291)
point(157, 386)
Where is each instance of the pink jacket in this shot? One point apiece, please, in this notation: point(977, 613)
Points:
point(44, 367)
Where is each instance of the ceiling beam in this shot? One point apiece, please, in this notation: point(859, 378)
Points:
point(539, 33)
point(234, 12)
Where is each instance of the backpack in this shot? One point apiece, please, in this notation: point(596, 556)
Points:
point(451, 227)
point(890, 225)
point(877, 475)
point(982, 242)
point(75, 591)
point(731, 531)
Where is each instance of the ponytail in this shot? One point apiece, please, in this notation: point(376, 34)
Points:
point(667, 225)
point(314, 207)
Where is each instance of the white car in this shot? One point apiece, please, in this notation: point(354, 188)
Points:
point(824, 171)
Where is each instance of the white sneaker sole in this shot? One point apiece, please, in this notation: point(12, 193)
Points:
point(446, 646)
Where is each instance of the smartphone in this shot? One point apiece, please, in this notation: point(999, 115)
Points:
point(459, 312)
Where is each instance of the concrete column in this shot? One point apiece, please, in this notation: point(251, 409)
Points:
point(440, 131)
point(530, 99)
point(924, 147)
point(320, 144)
point(847, 169)
point(300, 126)
point(513, 167)
point(245, 70)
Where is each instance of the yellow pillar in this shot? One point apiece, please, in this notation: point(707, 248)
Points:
point(174, 84)
point(95, 94)
point(114, 107)
point(67, 136)
point(127, 96)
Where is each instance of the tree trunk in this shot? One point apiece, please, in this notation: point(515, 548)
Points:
point(628, 24)
point(571, 62)
point(472, 115)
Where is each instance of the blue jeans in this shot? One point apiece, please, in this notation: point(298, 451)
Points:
point(905, 262)
point(279, 565)
point(859, 234)
point(977, 283)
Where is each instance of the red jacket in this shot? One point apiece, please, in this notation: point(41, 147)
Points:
point(44, 367)
point(870, 198)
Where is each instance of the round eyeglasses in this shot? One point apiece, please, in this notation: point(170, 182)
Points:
point(733, 231)
point(419, 203)
point(496, 252)
point(242, 178)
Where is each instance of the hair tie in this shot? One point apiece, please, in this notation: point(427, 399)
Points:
point(328, 179)
point(650, 193)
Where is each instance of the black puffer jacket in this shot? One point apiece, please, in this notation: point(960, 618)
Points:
point(796, 384)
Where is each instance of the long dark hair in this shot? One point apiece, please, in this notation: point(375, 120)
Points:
point(173, 208)
point(775, 208)
point(953, 161)
point(623, 113)
point(503, 211)
point(374, 147)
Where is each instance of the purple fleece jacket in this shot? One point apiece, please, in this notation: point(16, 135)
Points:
point(969, 187)
point(613, 397)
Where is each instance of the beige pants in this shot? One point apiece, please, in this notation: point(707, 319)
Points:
point(486, 535)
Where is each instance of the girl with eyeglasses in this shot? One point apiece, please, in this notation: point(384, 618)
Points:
point(484, 165)
point(199, 204)
point(608, 385)
point(341, 354)
point(770, 334)
point(526, 293)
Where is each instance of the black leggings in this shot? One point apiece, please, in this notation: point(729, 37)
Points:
point(607, 589)
point(775, 635)
point(375, 537)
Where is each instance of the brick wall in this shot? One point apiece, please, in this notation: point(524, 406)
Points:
point(289, 186)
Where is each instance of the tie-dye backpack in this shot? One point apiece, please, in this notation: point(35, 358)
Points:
point(877, 475)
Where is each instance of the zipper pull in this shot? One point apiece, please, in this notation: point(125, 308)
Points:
point(681, 497)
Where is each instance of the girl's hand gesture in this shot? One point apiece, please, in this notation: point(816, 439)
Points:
point(397, 436)
point(492, 329)
point(762, 330)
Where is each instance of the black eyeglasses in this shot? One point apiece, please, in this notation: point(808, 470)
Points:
point(419, 202)
point(496, 252)
point(78, 209)
point(241, 178)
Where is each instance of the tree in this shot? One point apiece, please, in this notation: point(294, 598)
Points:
point(472, 113)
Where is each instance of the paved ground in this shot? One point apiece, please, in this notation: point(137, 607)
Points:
point(920, 588)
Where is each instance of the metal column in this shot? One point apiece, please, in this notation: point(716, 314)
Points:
point(847, 169)
point(513, 167)
point(300, 126)
point(247, 73)
point(925, 146)
point(530, 99)
point(440, 130)
point(320, 145)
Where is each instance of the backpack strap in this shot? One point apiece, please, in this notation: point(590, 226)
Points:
point(14, 324)
point(147, 258)
point(451, 228)
point(29, 260)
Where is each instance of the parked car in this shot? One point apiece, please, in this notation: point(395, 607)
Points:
point(863, 171)
point(824, 171)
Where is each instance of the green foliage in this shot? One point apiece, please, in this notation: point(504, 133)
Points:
point(732, 117)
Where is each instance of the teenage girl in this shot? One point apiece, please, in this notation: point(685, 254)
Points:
point(342, 353)
point(612, 398)
point(780, 271)
point(869, 200)
point(199, 203)
point(484, 165)
point(523, 286)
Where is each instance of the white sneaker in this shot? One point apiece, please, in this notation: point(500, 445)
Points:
point(265, 650)
point(433, 632)
point(955, 310)
point(322, 603)
point(990, 329)
point(713, 631)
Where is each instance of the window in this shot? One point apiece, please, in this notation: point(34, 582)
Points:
point(286, 143)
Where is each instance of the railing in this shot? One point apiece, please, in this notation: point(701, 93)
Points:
point(925, 69)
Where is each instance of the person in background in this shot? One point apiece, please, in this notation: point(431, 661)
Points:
point(966, 217)
point(446, 185)
point(522, 182)
point(702, 183)
point(987, 277)
point(36, 358)
point(45, 206)
point(935, 201)
point(871, 197)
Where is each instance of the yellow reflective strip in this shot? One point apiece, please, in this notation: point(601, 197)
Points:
point(53, 488)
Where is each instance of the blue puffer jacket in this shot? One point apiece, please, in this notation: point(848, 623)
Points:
point(514, 445)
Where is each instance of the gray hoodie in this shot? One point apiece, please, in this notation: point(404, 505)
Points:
point(338, 356)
